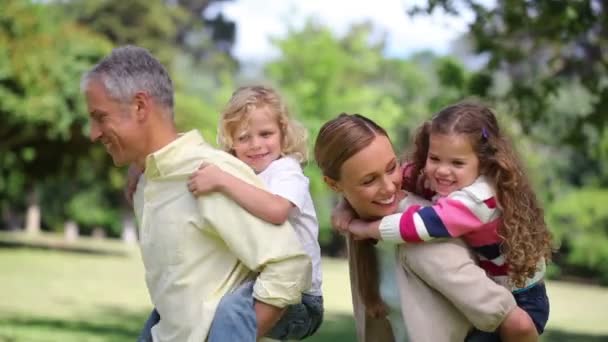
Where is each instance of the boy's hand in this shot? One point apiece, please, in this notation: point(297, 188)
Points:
point(208, 178)
point(133, 174)
point(341, 216)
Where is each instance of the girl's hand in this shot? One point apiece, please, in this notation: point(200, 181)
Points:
point(208, 178)
point(363, 230)
point(341, 216)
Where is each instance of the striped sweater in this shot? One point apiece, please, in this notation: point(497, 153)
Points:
point(471, 214)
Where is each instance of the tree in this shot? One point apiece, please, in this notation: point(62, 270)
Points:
point(323, 75)
point(170, 29)
point(545, 61)
point(545, 49)
point(41, 60)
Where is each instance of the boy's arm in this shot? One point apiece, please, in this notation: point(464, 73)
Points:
point(263, 204)
point(273, 251)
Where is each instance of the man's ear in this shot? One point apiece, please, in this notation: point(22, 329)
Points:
point(143, 105)
point(333, 184)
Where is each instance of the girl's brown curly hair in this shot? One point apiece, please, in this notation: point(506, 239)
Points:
point(526, 238)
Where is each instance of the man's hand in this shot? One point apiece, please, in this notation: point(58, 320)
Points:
point(267, 316)
point(208, 178)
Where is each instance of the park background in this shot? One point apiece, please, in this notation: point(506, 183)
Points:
point(70, 268)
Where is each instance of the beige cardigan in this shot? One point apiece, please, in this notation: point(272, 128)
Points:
point(443, 294)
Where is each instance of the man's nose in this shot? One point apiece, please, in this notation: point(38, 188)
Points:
point(95, 132)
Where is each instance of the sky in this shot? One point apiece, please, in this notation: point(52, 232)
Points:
point(258, 20)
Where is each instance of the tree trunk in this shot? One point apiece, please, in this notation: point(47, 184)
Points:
point(32, 216)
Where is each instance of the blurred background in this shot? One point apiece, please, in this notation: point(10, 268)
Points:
point(70, 268)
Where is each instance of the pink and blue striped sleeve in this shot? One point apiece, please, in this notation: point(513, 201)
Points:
point(448, 217)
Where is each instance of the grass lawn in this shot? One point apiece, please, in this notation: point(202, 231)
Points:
point(51, 295)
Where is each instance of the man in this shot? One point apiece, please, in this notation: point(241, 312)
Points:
point(195, 250)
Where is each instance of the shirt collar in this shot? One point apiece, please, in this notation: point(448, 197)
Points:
point(481, 189)
point(164, 162)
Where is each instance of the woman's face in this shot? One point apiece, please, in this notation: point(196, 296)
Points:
point(370, 180)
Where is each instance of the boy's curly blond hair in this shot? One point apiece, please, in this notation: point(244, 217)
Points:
point(247, 98)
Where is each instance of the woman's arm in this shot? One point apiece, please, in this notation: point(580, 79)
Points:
point(262, 204)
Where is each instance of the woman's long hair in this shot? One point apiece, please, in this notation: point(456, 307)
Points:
point(338, 140)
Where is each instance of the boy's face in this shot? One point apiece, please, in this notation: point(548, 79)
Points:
point(257, 141)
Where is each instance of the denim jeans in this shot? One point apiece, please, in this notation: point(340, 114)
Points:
point(235, 319)
point(532, 300)
point(235, 314)
point(146, 332)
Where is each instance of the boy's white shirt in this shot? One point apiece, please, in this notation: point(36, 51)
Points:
point(284, 177)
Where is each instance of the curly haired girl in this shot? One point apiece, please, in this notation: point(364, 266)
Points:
point(481, 194)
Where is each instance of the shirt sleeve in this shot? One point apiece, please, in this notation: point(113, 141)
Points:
point(273, 251)
point(289, 182)
point(452, 216)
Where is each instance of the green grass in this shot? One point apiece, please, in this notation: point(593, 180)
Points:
point(56, 295)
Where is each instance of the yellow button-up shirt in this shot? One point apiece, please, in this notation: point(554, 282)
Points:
point(195, 250)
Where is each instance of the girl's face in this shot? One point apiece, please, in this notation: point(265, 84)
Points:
point(258, 141)
point(451, 163)
point(370, 180)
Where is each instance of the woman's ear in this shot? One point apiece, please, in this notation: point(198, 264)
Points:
point(333, 184)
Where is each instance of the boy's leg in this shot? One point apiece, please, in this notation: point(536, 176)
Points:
point(234, 318)
point(146, 332)
point(300, 320)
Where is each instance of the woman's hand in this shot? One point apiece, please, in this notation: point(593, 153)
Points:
point(208, 178)
point(363, 230)
point(341, 216)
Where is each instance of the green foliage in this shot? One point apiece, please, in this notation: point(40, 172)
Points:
point(322, 75)
point(42, 58)
point(545, 67)
point(579, 221)
point(545, 49)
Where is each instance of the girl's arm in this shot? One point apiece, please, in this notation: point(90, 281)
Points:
point(262, 204)
point(449, 217)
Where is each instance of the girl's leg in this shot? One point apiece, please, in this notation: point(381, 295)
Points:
point(518, 327)
point(234, 318)
point(531, 317)
point(146, 332)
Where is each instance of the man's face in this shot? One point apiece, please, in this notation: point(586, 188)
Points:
point(114, 124)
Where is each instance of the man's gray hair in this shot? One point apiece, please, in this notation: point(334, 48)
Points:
point(131, 69)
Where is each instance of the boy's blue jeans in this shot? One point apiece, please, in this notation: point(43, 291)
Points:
point(235, 319)
point(534, 301)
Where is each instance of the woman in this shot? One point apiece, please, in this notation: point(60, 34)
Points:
point(434, 291)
